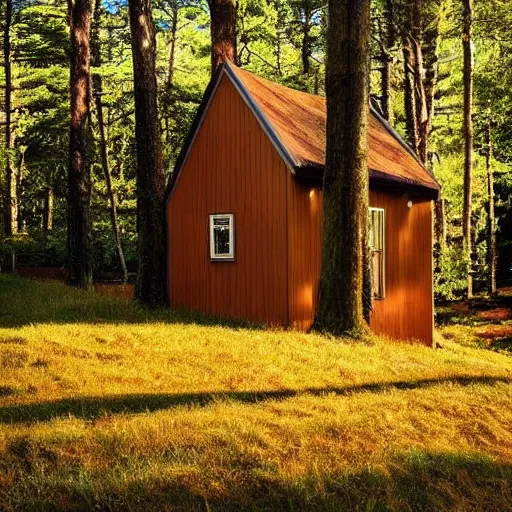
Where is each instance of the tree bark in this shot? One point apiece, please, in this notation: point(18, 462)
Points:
point(344, 246)
point(468, 136)
point(411, 122)
point(491, 231)
point(150, 286)
point(79, 272)
point(48, 209)
point(172, 47)
point(387, 105)
point(19, 191)
point(11, 203)
point(416, 41)
point(431, 61)
point(439, 230)
point(280, 28)
point(440, 222)
point(223, 32)
point(305, 44)
point(97, 93)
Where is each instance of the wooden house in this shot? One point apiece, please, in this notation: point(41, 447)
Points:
point(244, 212)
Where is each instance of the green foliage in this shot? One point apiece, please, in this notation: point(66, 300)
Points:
point(271, 37)
point(450, 280)
point(40, 248)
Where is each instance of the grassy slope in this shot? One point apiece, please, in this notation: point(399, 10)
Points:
point(111, 407)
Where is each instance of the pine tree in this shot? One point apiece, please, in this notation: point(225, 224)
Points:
point(346, 188)
point(150, 286)
point(223, 32)
point(467, 34)
point(79, 174)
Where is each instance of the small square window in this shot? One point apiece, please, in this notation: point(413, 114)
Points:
point(376, 242)
point(222, 237)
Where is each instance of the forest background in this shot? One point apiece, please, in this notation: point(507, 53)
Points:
point(417, 83)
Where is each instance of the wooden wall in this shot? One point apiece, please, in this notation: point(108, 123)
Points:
point(304, 256)
point(232, 168)
point(406, 311)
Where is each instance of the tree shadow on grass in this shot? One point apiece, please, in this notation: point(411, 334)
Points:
point(416, 480)
point(27, 302)
point(93, 407)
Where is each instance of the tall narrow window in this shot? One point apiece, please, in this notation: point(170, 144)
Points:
point(222, 237)
point(376, 242)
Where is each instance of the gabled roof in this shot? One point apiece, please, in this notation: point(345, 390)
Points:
point(295, 123)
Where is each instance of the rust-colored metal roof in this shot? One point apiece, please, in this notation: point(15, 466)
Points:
point(297, 120)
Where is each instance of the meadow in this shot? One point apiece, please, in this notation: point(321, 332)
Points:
point(107, 406)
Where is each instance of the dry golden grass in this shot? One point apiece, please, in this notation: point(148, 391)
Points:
point(111, 407)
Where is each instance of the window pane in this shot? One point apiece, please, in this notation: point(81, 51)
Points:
point(377, 274)
point(376, 233)
point(221, 235)
point(376, 242)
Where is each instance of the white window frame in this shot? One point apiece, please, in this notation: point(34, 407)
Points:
point(228, 256)
point(383, 296)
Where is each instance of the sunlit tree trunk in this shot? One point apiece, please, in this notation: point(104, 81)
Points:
point(11, 202)
point(150, 286)
point(306, 39)
point(172, 46)
point(223, 32)
point(491, 231)
point(411, 122)
point(387, 106)
point(48, 209)
point(280, 29)
point(431, 60)
point(344, 246)
point(79, 272)
point(20, 224)
point(468, 135)
point(97, 93)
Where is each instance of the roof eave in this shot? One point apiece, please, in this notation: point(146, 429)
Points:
point(312, 174)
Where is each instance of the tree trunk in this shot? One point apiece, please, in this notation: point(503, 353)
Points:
point(439, 231)
point(97, 92)
point(79, 177)
point(19, 191)
point(387, 106)
point(280, 28)
point(416, 40)
point(11, 203)
point(344, 247)
point(150, 286)
point(305, 45)
point(172, 47)
point(431, 60)
point(491, 232)
point(411, 122)
point(48, 209)
point(421, 104)
point(223, 32)
point(468, 136)
point(440, 222)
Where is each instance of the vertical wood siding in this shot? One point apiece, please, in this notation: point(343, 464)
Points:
point(406, 311)
point(304, 252)
point(232, 168)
